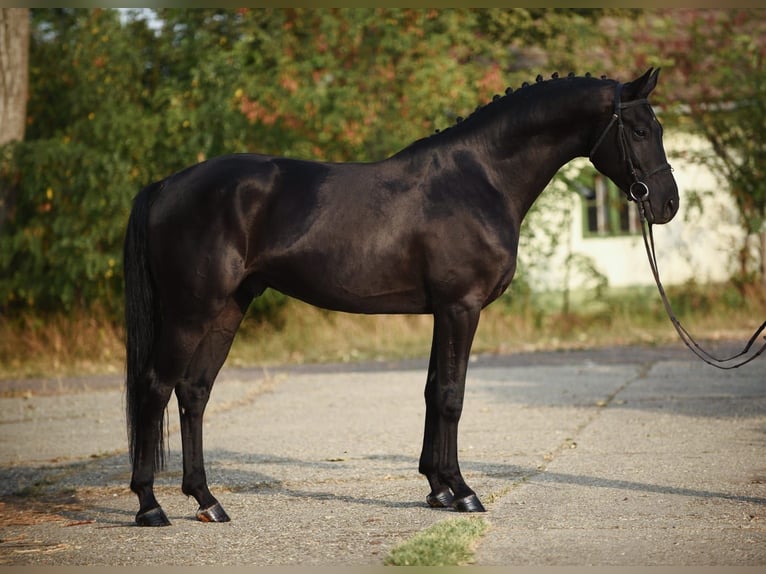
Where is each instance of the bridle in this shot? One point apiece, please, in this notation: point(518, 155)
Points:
point(639, 193)
point(638, 190)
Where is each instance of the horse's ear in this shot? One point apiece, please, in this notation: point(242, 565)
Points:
point(641, 87)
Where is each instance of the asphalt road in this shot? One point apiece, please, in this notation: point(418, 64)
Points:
point(624, 456)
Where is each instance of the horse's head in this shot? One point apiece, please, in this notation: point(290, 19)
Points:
point(629, 150)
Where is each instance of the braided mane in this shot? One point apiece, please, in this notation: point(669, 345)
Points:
point(509, 92)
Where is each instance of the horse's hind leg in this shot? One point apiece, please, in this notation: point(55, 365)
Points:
point(173, 352)
point(193, 393)
point(148, 453)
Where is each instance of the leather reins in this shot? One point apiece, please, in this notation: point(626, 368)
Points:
point(639, 193)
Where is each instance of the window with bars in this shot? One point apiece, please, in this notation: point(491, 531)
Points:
point(607, 212)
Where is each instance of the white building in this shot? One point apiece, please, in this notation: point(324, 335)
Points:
point(697, 244)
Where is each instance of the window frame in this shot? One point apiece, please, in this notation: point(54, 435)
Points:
point(607, 212)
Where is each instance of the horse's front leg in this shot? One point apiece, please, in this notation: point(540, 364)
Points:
point(454, 328)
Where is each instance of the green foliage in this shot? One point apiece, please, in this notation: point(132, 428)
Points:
point(357, 85)
point(66, 190)
point(62, 246)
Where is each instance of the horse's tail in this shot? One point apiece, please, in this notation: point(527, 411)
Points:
point(141, 321)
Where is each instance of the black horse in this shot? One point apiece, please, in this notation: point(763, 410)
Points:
point(432, 229)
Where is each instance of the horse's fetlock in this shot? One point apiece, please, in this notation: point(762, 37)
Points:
point(189, 488)
point(140, 487)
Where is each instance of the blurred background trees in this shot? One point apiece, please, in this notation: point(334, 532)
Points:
point(118, 99)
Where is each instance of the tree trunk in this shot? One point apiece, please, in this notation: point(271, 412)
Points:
point(14, 72)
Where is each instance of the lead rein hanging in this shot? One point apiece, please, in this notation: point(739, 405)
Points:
point(689, 341)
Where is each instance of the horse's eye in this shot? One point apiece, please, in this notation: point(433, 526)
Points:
point(640, 133)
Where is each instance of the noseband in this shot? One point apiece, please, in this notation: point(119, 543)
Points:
point(639, 190)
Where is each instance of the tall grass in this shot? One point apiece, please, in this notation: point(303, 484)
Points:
point(87, 343)
point(60, 344)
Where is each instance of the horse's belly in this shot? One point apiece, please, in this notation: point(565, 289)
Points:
point(352, 285)
point(337, 298)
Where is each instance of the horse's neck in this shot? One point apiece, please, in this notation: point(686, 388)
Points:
point(528, 171)
point(530, 145)
point(524, 139)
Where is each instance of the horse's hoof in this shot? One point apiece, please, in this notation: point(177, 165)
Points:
point(153, 517)
point(214, 513)
point(441, 499)
point(470, 503)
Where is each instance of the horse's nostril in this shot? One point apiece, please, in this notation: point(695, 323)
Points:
point(670, 208)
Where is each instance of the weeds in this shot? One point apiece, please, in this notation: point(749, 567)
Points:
point(58, 345)
point(447, 543)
